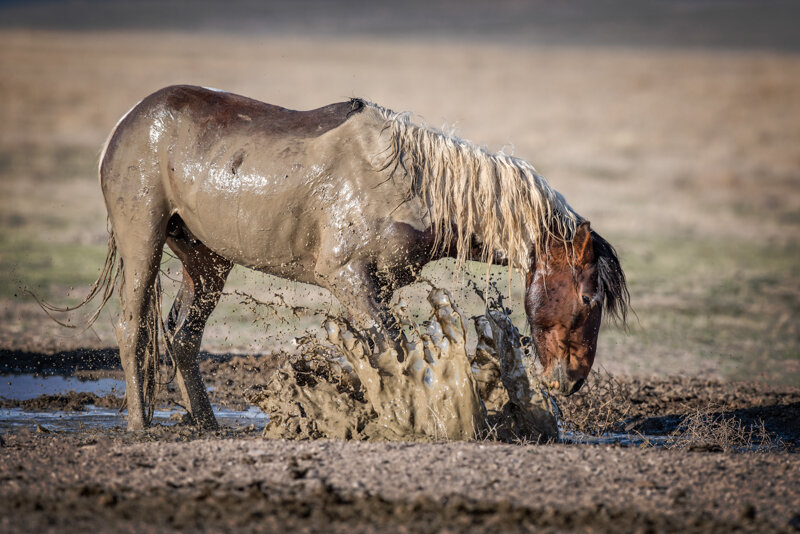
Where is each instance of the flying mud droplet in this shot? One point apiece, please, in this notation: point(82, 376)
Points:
point(438, 391)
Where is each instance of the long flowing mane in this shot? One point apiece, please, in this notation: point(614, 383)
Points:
point(499, 199)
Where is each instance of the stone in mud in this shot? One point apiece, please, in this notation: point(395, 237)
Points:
point(342, 391)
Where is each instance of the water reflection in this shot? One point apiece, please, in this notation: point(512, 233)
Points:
point(28, 386)
point(93, 417)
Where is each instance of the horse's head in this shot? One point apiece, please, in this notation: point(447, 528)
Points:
point(566, 293)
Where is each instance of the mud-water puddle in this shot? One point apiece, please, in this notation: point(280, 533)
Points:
point(613, 438)
point(93, 417)
point(26, 386)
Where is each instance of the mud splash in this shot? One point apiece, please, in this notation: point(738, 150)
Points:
point(435, 391)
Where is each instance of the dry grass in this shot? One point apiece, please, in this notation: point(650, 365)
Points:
point(598, 408)
point(707, 429)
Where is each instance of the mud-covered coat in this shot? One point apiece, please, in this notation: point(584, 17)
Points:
point(302, 206)
point(351, 197)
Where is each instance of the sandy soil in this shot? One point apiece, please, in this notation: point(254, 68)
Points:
point(686, 160)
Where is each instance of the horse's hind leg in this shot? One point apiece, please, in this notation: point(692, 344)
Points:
point(140, 254)
point(204, 274)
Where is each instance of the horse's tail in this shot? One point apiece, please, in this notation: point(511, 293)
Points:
point(104, 286)
point(159, 337)
point(158, 334)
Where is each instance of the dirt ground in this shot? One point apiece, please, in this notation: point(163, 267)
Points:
point(117, 482)
point(673, 128)
point(703, 480)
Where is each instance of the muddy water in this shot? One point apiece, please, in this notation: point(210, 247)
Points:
point(76, 416)
point(94, 417)
point(29, 386)
point(434, 390)
point(65, 411)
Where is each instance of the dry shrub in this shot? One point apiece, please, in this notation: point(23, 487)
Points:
point(707, 429)
point(598, 407)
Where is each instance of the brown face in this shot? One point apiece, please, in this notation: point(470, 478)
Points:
point(564, 311)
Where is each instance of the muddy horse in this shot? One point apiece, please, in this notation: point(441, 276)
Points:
point(351, 197)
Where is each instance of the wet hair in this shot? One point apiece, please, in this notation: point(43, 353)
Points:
point(611, 282)
point(497, 198)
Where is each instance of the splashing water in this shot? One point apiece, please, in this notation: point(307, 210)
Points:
point(436, 390)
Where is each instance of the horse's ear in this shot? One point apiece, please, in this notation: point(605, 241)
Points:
point(583, 242)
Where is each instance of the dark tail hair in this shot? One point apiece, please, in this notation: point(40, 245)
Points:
point(104, 286)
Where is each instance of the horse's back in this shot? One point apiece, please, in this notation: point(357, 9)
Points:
point(211, 114)
point(257, 183)
point(221, 109)
point(186, 133)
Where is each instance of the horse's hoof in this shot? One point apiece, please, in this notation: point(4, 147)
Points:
point(206, 421)
point(208, 425)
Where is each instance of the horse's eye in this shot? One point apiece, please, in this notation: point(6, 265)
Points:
point(586, 300)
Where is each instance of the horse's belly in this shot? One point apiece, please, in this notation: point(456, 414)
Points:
point(275, 232)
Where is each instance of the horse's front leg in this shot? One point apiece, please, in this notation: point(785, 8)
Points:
point(357, 289)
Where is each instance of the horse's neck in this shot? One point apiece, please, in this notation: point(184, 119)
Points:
point(449, 249)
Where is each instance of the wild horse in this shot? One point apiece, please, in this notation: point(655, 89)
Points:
point(351, 197)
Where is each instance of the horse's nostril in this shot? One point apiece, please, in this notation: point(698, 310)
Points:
point(577, 386)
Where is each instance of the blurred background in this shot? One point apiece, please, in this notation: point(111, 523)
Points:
point(673, 126)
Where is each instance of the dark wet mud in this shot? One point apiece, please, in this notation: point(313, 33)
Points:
point(667, 406)
point(173, 477)
point(71, 401)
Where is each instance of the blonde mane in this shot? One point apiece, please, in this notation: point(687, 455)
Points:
point(499, 199)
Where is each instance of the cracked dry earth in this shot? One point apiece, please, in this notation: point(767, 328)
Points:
point(170, 479)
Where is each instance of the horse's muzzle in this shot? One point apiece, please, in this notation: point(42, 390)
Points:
point(558, 380)
point(577, 385)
